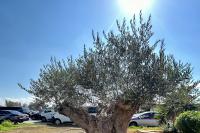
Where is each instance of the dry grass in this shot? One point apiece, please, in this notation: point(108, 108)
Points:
point(145, 130)
point(44, 128)
point(49, 129)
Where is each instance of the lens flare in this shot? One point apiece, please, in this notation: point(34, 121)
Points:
point(129, 7)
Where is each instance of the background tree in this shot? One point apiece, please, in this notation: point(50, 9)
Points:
point(184, 98)
point(37, 105)
point(10, 103)
point(119, 74)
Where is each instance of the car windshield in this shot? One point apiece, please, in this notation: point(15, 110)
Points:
point(137, 115)
point(4, 112)
point(14, 112)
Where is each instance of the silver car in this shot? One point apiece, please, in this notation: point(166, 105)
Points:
point(145, 119)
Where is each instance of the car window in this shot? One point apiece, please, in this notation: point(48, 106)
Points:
point(157, 116)
point(19, 110)
point(92, 110)
point(147, 116)
point(4, 112)
point(15, 112)
point(47, 111)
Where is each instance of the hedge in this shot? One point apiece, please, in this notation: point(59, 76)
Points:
point(188, 122)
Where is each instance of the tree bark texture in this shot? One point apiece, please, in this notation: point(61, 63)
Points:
point(116, 120)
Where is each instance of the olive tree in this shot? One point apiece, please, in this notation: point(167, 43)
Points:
point(123, 71)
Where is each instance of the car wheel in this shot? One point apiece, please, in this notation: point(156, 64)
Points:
point(32, 117)
point(43, 119)
point(15, 122)
point(133, 124)
point(57, 122)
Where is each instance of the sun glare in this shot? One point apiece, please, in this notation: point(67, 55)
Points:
point(129, 7)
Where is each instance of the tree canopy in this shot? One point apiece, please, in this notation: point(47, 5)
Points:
point(124, 68)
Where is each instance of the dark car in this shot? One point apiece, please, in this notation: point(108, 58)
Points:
point(13, 116)
point(19, 109)
point(35, 115)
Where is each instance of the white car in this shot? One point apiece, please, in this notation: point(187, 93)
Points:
point(59, 118)
point(47, 114)
point(145, 119)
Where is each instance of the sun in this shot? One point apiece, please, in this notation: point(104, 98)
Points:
point(130, 7)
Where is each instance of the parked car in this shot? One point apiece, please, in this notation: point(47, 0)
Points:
point(47, 115)
point(13, 116)
point(92, 110)
point(23, 110)
point(35, 115)
point(145, 119)
point(60, 119)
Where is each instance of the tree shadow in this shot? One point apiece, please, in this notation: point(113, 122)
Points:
point(69, 124)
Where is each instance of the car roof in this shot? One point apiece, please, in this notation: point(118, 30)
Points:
point(8, 111)
point(138, 114)
point(13, 112)
point(149, 112)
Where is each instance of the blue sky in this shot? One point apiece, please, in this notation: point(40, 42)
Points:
point(31, 31)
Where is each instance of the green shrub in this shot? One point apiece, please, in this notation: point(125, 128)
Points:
point(1, 127)
point(188, 122)
point(7, 124)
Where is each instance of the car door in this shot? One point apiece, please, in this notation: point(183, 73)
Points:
point(155, 121)
point(144, 119)
point(49, 114)
point(63, 118)
point(2, 115)
point(149, 119)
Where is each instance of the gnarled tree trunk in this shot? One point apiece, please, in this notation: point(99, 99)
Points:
point(115, 120)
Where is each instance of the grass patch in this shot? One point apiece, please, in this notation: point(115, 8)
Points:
point(7, 126)
point(134, 129)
